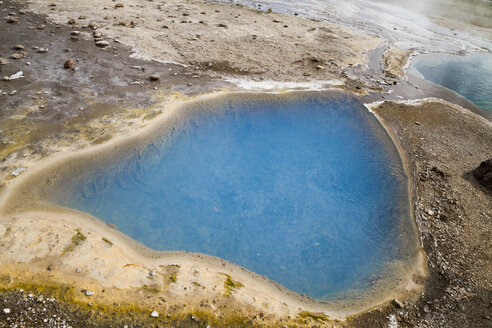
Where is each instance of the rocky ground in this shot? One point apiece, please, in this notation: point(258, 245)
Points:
point(105, 93)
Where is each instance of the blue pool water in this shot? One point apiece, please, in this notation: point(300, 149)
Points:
point(470, 75)
point(310, 193)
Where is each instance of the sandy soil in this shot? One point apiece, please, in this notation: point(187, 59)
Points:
point(222, 37)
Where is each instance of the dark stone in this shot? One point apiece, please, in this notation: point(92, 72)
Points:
point(68, 64)
point(483, 173)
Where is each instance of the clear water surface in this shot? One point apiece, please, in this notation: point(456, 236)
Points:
point(470, 75)
point(309, 193)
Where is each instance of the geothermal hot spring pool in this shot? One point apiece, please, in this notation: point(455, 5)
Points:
point(469, 75)
point(310, 192)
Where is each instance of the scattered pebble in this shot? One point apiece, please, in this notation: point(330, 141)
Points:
point(17, 56)
point(4, 61)
point(18, 47)
point(155, 77)
point(397, 303)
point(68, 64)
point(154, 314)
point(89, 293)
point(17, 75)
point(78, 270)
point(119, 5)
point(42, 50)
point(102, 43)
point(18, 171)
point(6, 310)
point(71, 21)
point(11, 20)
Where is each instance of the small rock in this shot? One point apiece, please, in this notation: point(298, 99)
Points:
point(40, 299)
point(13, 93)
point(68, 64)
point(155, 77)
point(93, 25)
point(97, 34)
point(11, 20)
point(222, 25)
point(17, 55)
point(78, 270)
point(119, 5)
point(397, 303)
point(186, 14)
point(74, 38)
point(75, 33)
point(52, 4)
point(4, 61)
point(102, 43)
point(154, 314)
point(17, 75)
point(71, 21)
point(152, 273)
point(89, 293)
point(6, 310)
point(42, 50)
point(417, 123)
point(319, 67)
point(18, 171)
point(41, 27)
point(18, 47)
point(483, 173)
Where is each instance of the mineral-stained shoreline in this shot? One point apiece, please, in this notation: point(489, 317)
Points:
point(67, 271)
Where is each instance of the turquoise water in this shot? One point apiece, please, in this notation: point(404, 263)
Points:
point(310, 193)
point(469, 76)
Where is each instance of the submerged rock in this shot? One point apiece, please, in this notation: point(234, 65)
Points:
point(483, 173)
